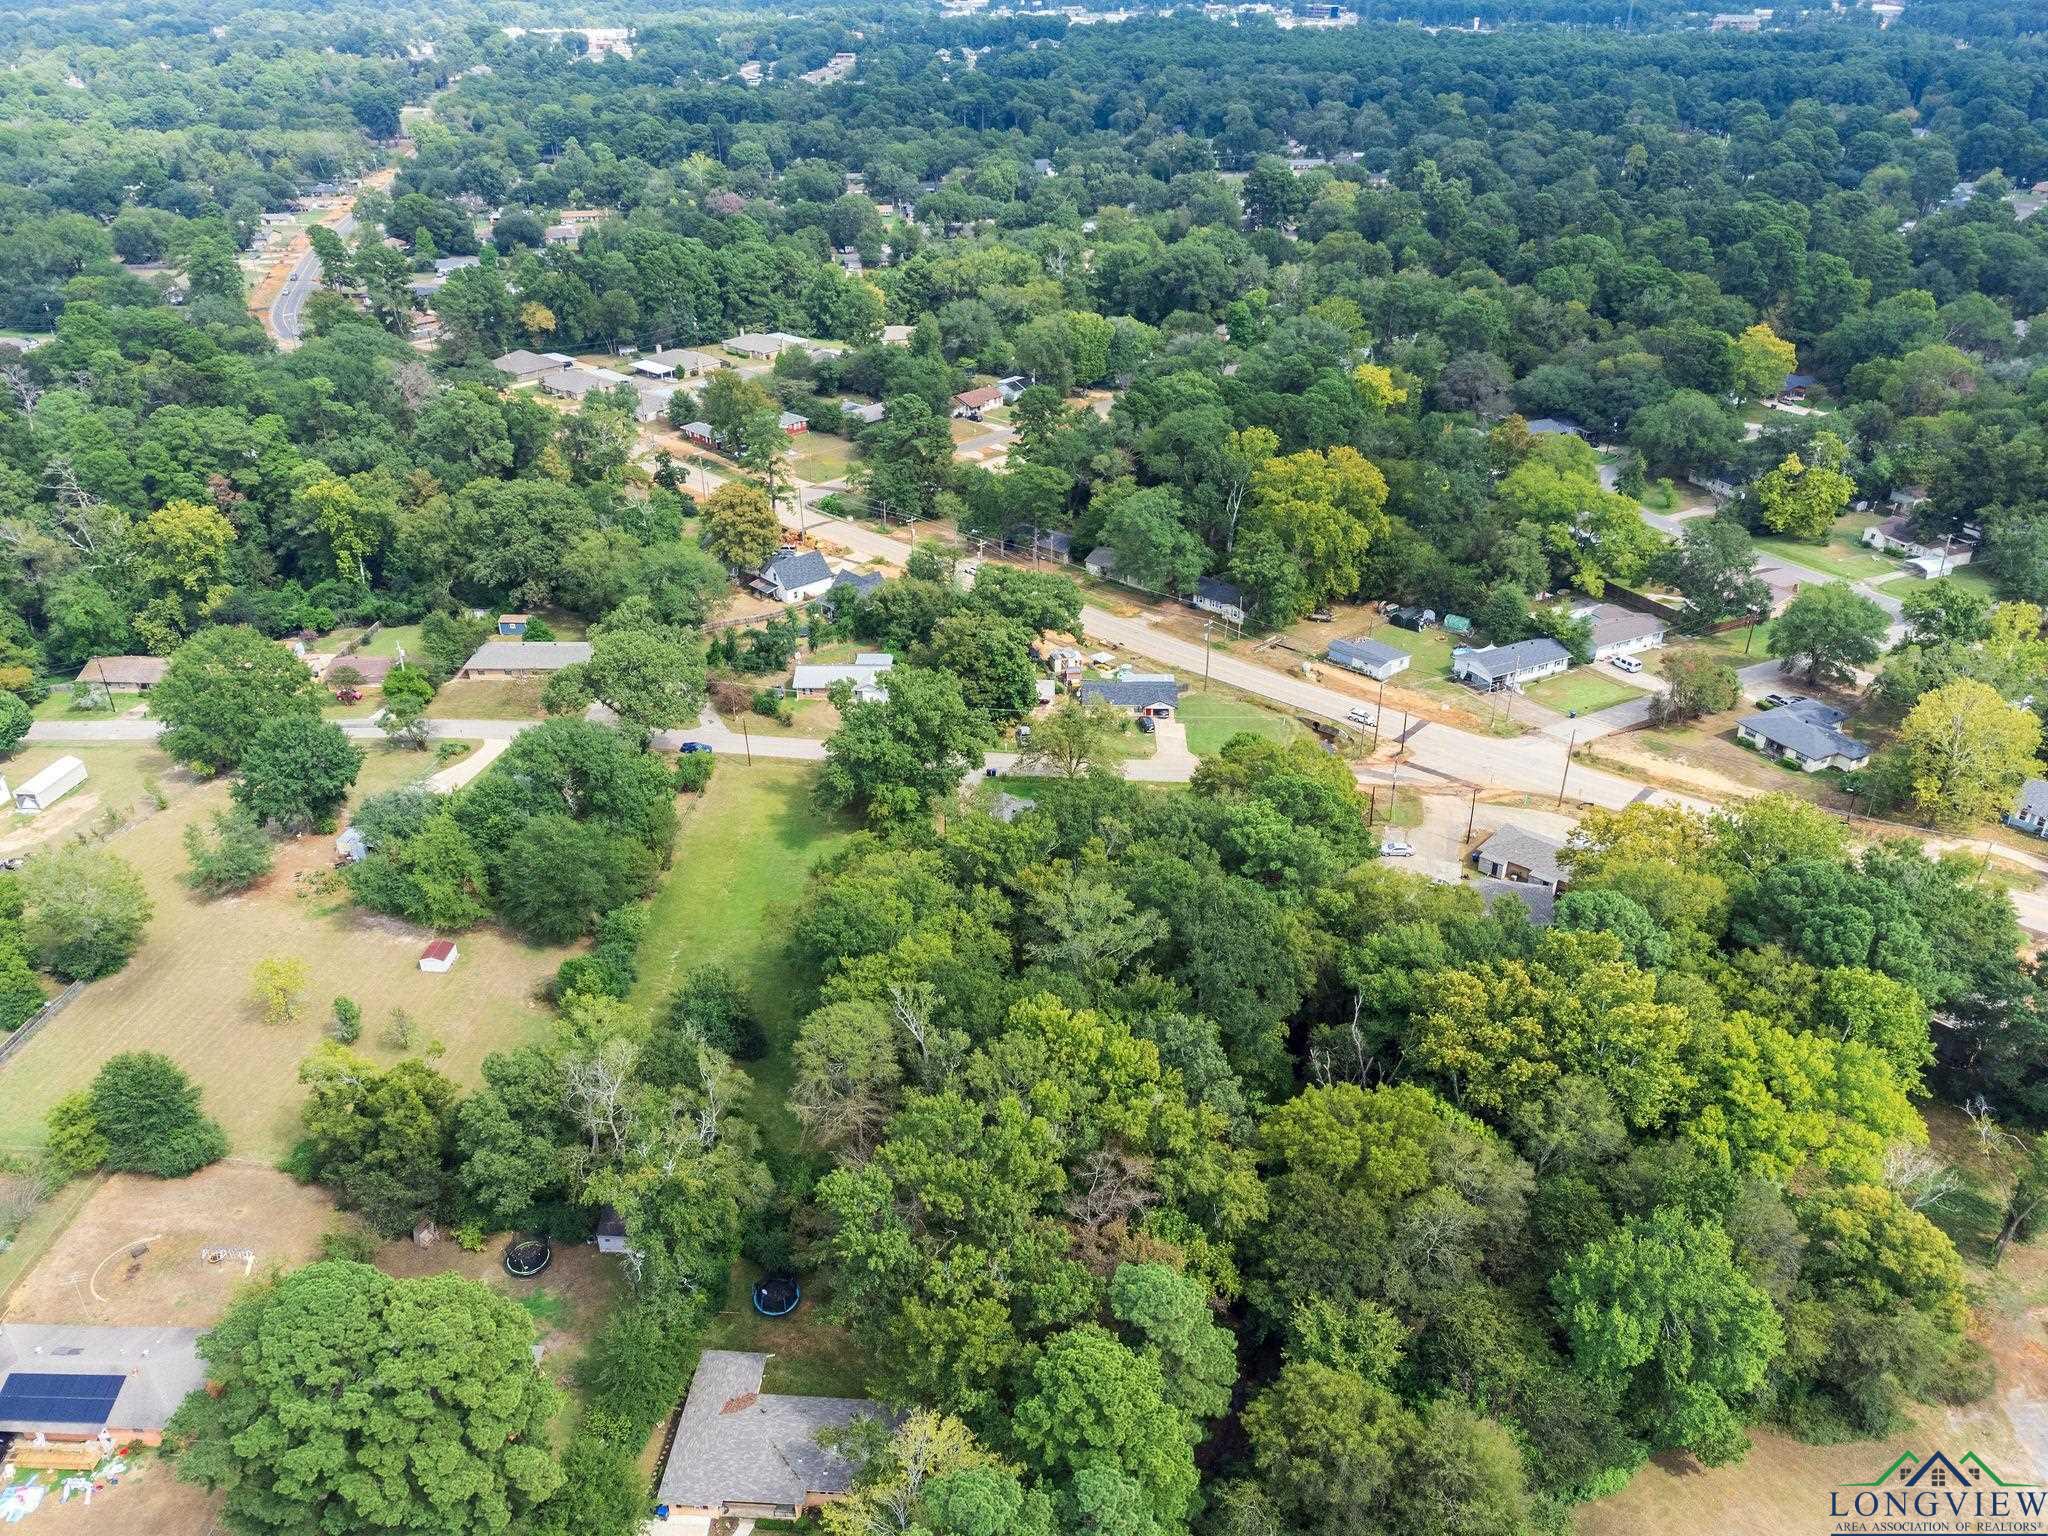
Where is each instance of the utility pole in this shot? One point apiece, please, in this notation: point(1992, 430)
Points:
point(1472, 815)
point(1566, 776)
point(747, 737)
point(1206, 628)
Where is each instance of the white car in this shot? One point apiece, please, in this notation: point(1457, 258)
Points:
point(1627, 664)
point(1359, 716)
point(1397, 850)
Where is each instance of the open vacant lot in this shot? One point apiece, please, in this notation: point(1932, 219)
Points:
point(186, 991)
point(171, 1251)
point(123, 779)
point(488, 698)
point(1213, 718)
point(1582, 689)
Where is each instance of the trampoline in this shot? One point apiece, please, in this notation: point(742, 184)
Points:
point(777, 1296)
point(528, 1257)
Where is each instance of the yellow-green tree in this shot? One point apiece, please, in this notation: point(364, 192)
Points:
point(276, 985)
point(1326, 509)
point(336, 510)
point(1762, 359)
point(1803, 497)
point(1376, 387)
point(1967, 750)
point(740, 526)
point(181, 557)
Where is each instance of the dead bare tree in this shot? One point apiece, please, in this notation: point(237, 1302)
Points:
point(596, 1087)
point(1917, 1176)
point(1110, 1184)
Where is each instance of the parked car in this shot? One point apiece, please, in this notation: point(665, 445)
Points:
point(696, 746)
point(1147, 724)
point(348, 695)
point(1397, 850)
point(1627, 664)
point(1359, 716)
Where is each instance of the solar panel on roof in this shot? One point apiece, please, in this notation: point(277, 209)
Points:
point(46, 1397)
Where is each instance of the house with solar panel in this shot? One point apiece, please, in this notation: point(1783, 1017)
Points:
point(62, 1384)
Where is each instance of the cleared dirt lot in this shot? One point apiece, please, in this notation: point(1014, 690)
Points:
point(186, 992)
point(171, 1251)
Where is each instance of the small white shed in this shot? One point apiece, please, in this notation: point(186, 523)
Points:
point(439, 956)
point(49, 786)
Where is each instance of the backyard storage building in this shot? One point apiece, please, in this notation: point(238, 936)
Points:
point(439, 956)
point(1369, 657)
point(46, 788)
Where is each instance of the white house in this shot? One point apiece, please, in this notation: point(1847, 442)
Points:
point(766, 345)
point(1621, 631)
point(1368, 656)
point(1101, 561)
point(794, 576)
point(1219, 598)
point(864, 675)
point(2030, 811)
point(1806, 734)
point(578, 381)
point(45, 788)
point(1895, 536)
point(522, 366)
point(1510, 666)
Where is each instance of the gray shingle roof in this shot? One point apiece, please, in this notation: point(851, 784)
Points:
point(1612, 624)
point(1134, 694)
point(737, 1444)
point(1498, 661)
point(1364, 653)
point(1209, 589)
point(528, 655)
point(860, 582)
point(1539, 899)
point(2033, 801)
point(796, 568)
point(1807, 728)
point(1531, 850)
point(161, 1366)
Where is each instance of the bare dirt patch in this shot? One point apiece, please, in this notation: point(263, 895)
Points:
point(147, 1500)
point(172, 1252)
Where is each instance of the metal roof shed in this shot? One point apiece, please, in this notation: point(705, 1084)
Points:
point(49, 786)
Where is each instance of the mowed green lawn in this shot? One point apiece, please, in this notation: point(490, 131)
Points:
point(186, 991)
point(1213, 718)
point(745, 849)
point(1582, 689)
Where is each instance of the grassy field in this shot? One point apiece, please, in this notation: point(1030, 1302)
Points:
point(123, 780)
point(1968, 577)
point(388, 639)
point(820, 456)
point(185, 993)
point(487, 698)
point(740, 863)
point(1725, 647)
point(1582, 689)
point(1213, 718)
point(1841, 554)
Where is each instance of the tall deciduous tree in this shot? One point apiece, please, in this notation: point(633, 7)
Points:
point(297, 771)
point(1830, 630)
point(345, 1399)
point(1803, 497)
point(219, 690)
point(739, 525)
point(895, 757)
point(1967, 751)
point(85, 911)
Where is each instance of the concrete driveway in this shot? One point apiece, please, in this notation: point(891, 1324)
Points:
point(1170, 763)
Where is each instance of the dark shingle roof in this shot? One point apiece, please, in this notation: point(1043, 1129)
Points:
point(1541, 900)
point(1807, 728)
point(1134, 694)
point(1531, 850)
point(796, 568)
point(1209, 589)
point(1506, 660)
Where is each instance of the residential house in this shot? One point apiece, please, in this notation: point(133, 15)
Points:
point(849, 587)
point(1052, 544)
point(501, 660)
point(1368, 656)
point(1510, 666)
point(1897, 536)
point(741, 1453)
point(792, 424)
point(794, 576)
point(1220, 598)
point(70, 1383)
point(1619, 631)
point(897, 335)
point(810, 681)
point(972, 402)
point(578, 380)
point(1555, 426)
point(766, 345)
point(1723, 482)
point(447, 264)
point(1909, 498)
point(1523, 857)
point(867, 413)
point(522, 366)
point(563, 234)
point(1796, 385)
point(1014, 386)
point(123, 674)
point(2030, 811)
point(1806, 734)
point(1155, 697)
point(651, 400)
point(1101, 561)
point(701, 433)
point(1540, 901)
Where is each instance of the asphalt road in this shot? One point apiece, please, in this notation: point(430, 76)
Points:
point(290, 303)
